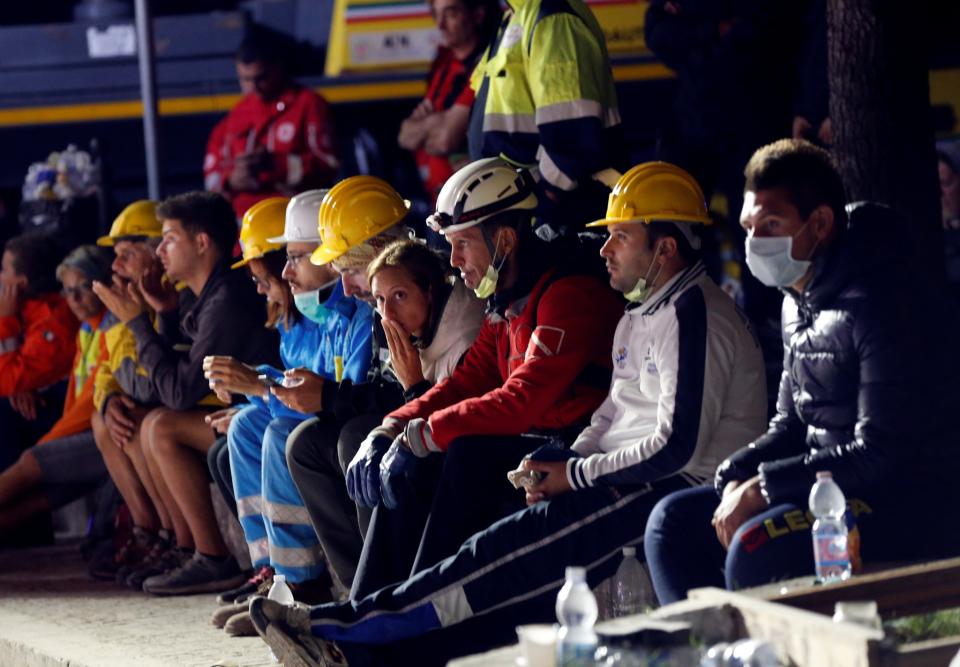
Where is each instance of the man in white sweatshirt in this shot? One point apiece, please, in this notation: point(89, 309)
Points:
point(688, 388)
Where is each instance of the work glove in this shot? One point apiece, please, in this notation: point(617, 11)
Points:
point(363, 473)
point(419, 438)
point(396, 469)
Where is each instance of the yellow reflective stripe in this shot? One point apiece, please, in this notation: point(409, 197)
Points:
point(338, 367)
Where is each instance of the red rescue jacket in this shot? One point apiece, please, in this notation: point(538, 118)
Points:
point(296, 132)
point(37, 344)
point(536, 369)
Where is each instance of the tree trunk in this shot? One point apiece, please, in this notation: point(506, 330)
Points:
point(880, 111)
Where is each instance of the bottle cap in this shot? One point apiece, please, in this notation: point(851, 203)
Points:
point(629, 552)
point(279, 578)
point(824, 474)
point(576, 573)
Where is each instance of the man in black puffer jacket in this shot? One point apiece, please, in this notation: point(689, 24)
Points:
point(868, 393)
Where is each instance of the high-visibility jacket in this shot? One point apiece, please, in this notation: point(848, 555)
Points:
point(78, 404)
point(37, 344)
point(121, 373)
point(546, 90)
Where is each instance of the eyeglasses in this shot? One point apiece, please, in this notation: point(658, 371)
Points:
point(78, 291)
point(260, 282)
point(293, 260)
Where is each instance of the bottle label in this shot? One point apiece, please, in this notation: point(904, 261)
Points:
point(831, 555)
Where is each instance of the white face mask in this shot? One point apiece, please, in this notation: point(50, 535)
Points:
point(644, 286)
point(771, 260)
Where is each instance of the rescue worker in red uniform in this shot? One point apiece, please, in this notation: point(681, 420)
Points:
point(277, 141)
point(37, 343)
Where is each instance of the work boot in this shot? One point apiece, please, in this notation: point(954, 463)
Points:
point(160, 562)
point(200, 574)
point(105, 564)
point(286, 629)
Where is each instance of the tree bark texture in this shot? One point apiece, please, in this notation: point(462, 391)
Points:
point(880, 109)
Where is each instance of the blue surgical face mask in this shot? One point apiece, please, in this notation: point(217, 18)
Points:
point(308, 303)
point(770, 259)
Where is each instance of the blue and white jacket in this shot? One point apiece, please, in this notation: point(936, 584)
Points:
point(688, 389)
point(338, 349)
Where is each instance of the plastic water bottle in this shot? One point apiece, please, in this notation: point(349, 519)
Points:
point(631, 587)
point(577, 612)
point(279, 592)
point(830, 548)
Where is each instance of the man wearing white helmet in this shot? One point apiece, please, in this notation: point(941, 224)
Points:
point(687, 385)
point(538, 367)
point(329, 343)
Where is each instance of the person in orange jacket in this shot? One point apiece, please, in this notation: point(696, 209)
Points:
point(37, 333)
point(277, 140)
point(65, 464)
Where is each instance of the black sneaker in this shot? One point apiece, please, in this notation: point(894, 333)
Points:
point(247, 588)
point(200, 574)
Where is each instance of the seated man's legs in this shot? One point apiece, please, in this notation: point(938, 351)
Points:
point(317, 471)
point(178, 443)
point(473, 492)
point(446, 498)
point(145, 459)
point(681, 546)
point(245, 444)
point(504, 575)
point(218, 463)
point(295, 550)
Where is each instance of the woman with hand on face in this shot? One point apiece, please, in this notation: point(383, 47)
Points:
point(430, 319)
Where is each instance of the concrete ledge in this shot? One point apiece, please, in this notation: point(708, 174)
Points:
point(52, 615)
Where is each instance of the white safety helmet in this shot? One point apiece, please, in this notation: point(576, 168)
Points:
point(300, 222)
point(482, 190)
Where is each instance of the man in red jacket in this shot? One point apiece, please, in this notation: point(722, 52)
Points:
point(539, 368)
point(277, 140)
point(37, 343)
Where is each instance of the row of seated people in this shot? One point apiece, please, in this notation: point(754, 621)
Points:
point(371, 469)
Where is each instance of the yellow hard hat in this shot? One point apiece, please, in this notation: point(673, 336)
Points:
point(655, 191)
point(137, 219)
point(356, 209)
point(262, 221)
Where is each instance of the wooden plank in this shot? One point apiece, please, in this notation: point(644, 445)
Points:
point(903, 591)
point(925, 654)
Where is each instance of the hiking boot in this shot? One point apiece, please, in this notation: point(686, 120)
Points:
point(132, 564)
point(105, 564)
point(286, 629)
point(200, 574)
point(160, 562)
point(249, 587)
point(223, 613)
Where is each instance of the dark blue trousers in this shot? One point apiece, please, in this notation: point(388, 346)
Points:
point(507, 574)
point(683, 551)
